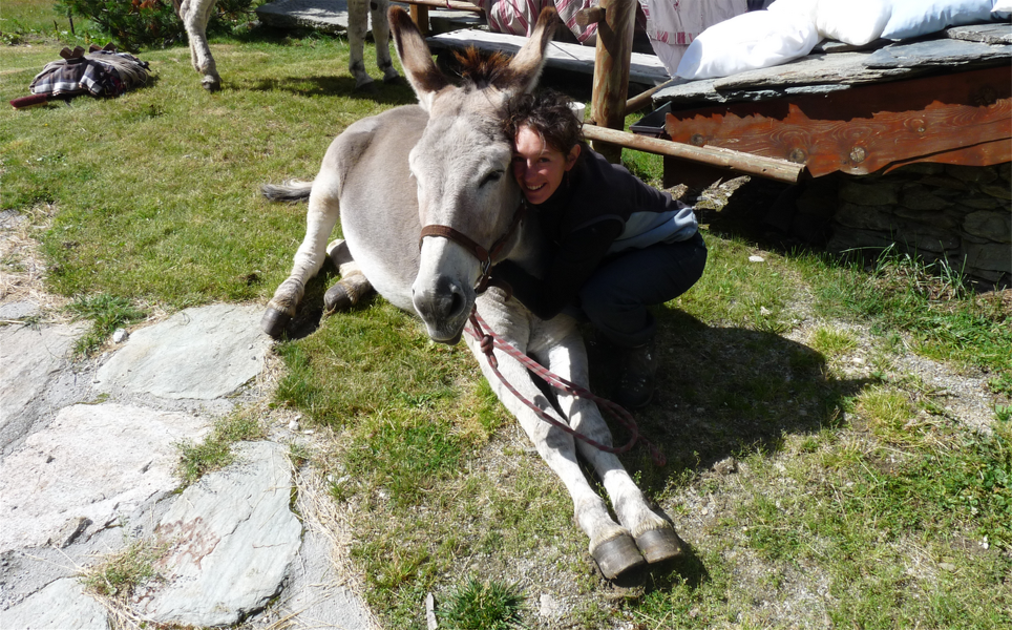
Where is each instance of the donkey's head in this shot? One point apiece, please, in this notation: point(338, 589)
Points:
point(467, 198)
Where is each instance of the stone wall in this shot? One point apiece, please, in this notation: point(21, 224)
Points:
point(957, 213)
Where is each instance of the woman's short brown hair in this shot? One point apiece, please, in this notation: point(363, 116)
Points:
point(548, 113)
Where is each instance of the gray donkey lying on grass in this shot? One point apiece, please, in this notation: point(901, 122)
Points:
point(439, 173)
point(196, 13)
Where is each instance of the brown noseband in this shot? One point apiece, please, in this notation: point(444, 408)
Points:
point(484, 256)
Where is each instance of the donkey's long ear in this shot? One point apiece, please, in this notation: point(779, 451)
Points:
point(423, 75)
point(525, 68)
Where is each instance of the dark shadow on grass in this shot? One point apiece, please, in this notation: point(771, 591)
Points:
point(310, 313)
point(387, 93)
point(722, 392)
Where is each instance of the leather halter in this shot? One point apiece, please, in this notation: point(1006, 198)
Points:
point(484, 256)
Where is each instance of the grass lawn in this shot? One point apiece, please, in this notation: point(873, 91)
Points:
point(839, 438)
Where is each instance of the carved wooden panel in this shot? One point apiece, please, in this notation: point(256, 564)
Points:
point(958, 118)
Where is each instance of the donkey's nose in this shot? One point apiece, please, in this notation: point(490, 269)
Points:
point(441, 306)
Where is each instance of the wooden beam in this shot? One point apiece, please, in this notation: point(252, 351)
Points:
point(760, 166)
point(456, 5)
point(643, 99)
point(611, 70)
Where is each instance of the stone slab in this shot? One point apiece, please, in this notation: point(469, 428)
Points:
point(31, 359)
point(95, 462)
point(233, 540)
point(200, 353)
point(62, 605)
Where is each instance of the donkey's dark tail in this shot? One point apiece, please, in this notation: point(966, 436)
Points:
point(291, 191)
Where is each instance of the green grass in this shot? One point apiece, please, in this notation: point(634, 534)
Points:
point(106, 313)
point(858, 499)
point(120, 574)
point(215, 451)
point(482, 605)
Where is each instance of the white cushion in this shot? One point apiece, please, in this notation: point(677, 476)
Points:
point(855, 22)
point(758, 39)
point(911, 18)
point(807, 8)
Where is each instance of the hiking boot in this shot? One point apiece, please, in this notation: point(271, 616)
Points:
point(636, 383)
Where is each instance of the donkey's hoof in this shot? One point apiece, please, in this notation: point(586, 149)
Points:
point(658, 545)
point(337, 299)
point(211, 85)
point(617, 556)
point(274, 322)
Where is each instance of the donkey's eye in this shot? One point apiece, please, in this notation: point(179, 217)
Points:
point(492, 176)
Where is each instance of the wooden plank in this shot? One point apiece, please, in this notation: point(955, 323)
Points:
point(863, 129)
point(643, 68)
point(455, 5)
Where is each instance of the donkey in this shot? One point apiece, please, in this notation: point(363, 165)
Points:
point(427, 202)
point(196, 13)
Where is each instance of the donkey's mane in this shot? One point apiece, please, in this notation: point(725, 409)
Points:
point(483, 70)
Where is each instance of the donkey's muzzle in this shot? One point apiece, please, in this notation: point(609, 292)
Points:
point(444, 307)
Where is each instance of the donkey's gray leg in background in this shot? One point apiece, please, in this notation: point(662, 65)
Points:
point(195, 15)
point(321, 217)
point(381, 35)
point(566, 355)
point(611, 546)
point(358, 23)
point(352, 286)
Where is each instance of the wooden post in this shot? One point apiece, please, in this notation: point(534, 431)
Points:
point(611, 70)
point(420, 16)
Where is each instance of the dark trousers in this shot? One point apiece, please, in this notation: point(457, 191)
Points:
point(616, 297)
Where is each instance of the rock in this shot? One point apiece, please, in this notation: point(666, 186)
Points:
point(996, 226)
point(867, 217)
point(939, 220)
point(200, 353)
point(971, 174)
point(19, 310)
point(30, 359)
point(52, 481)
point(920, 198)
point(989, 257)
point(62, 604)
point(998, 192)
point(880, 194)
point(234, 538)
point(979, 202)
point(120, 335)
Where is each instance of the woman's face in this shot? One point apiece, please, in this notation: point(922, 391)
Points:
point(538, 167)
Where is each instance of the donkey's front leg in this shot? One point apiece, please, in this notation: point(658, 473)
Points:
point(358, 24)
point(610, 544)
point(566, 355)
point(353, 285)
point(321, 217)
point(195, 15)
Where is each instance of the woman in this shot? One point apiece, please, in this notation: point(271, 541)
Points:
point(619, 245)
